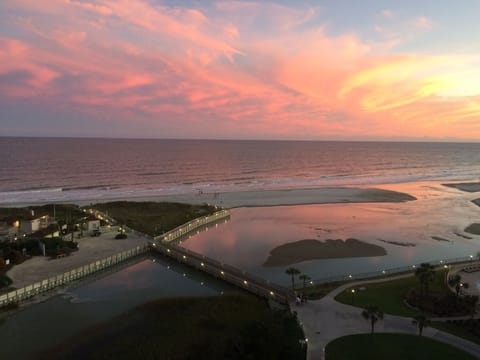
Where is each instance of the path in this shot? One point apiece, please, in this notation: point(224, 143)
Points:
point(326, 319)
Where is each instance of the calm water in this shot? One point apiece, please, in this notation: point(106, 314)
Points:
point(49, 323)
point(434, 223)
point(39, 169)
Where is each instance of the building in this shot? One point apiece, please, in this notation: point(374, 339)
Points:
point(33, 224)
point(92, 223)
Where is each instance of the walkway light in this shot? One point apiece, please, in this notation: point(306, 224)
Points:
point(272, 293)
point(202, 264)
point(221, 272)
point(245, 282)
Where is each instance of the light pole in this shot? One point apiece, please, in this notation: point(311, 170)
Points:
point(353, 296)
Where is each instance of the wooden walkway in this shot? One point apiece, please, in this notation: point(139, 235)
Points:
point(225, 272)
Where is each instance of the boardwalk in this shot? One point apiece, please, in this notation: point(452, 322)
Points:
point(228, 273)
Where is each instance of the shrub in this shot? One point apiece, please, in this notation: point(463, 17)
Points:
point(121, 236)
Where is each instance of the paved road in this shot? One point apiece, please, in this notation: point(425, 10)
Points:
point(326, 319)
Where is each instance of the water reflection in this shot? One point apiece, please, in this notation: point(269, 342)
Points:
point(49, 323)
point(431, 223)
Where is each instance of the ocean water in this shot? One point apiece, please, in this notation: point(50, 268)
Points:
point(63, 169)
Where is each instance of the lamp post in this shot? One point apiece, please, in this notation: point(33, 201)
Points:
point(353, 296)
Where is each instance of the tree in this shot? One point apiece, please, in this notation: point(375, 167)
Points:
point(425, 274)
point(456, 282)
point(422, 322)
point(305, 278)
point(372, 314)
point(292, 272)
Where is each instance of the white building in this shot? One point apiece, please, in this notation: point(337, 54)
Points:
point(28, 226)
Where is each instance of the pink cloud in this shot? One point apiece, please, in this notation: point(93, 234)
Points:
point(176, 67)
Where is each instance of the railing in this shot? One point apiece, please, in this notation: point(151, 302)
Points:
point(191, 226)
point(392, 271)
point(228, 273)
point(53, 282)
point(164, 245)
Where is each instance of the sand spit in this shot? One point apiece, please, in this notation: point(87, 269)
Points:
point(279, 197)
point(467, 187)
point(310, 249)
point(473, 229)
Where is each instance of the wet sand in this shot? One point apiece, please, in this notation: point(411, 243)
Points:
point(310, 249)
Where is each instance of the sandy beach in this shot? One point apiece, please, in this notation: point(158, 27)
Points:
point(279, 197)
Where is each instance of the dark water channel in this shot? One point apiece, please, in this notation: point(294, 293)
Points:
point(49, 323)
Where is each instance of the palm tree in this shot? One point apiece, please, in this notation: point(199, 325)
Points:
point(305, 278)
point(373, 314)
point(425, 275)
point(292, 272)
point(456, 282)
point(422, 322)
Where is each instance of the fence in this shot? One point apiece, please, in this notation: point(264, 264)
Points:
point(53, 282)
point(393, 271)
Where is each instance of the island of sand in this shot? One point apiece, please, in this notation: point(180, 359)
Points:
point(473, 229)
point(311, 249)
point(467, 187)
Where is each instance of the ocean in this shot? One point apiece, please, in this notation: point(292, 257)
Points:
point(67, 169)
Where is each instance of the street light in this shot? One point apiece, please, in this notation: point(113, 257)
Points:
point(353, 296)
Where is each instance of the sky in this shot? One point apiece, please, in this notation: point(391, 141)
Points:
point(306, 70)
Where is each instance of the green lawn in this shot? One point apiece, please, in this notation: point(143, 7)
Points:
point(391, 347)
point(389, 296)
point(461, 330)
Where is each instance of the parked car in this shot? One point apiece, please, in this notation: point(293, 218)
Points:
point(96, 233)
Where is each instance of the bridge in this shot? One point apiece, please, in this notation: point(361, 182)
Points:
point(167, 245)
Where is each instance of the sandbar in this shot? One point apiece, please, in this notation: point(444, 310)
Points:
point(257, 198)
point(311, 249)
point(467, 187)
point(473, 229)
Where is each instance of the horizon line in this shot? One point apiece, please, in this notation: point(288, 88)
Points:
point(381, 140)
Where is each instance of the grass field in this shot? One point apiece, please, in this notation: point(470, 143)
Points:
point(461, 330)
point(389, 296)
point(391, 347)
point(234, 326)
point(153, 218)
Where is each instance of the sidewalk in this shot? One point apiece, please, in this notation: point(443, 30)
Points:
point(326, 319)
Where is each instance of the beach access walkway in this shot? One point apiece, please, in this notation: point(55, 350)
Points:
point(326, 319)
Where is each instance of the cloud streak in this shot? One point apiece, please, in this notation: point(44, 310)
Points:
point(231, 69)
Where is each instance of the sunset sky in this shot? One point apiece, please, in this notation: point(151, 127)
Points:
point(326, 70)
